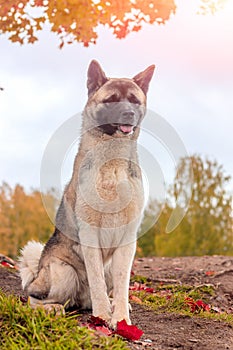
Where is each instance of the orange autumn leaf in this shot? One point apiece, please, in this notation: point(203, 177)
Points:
point(135, 299)
point(20, 21)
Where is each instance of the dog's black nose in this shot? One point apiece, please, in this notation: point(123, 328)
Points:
point(129, 113)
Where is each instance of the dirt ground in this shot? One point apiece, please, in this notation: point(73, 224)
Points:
point(168, 331)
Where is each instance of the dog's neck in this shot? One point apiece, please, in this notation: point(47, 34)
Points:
point(117, 147)
point(96, 149)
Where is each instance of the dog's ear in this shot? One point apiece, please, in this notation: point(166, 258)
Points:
point(95, 77)
point(143, 79)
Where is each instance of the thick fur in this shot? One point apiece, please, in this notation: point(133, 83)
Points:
point(29, 264)
point(93, 245)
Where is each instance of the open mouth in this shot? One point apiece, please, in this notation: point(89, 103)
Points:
point(124, 128)
point(110, 129)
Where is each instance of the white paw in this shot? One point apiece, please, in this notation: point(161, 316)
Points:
point(118, 318)
point(104, 316)
point(104, 313)
point(56, 309)
point(102, 309)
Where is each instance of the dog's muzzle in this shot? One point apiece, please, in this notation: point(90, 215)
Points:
point(121, 117)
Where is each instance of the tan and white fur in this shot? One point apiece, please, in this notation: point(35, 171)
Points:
point(91, 251)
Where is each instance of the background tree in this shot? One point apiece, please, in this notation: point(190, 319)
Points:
point(23, 217)
point(207, 227)
point(146, 242)
point(77, 20)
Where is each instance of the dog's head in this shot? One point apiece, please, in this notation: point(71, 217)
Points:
point(115, 106)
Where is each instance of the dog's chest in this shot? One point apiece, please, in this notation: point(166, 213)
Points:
point(113, 180)
point(109, 194)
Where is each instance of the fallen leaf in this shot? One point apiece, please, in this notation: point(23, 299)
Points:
point(129, 332)
point(197, 305)
point(210, 273)
point(203, 305)
point(6, 264)
point(136, 286)
point(141, 286)
point(97, 321)
point(135, 299)
point(103, 330)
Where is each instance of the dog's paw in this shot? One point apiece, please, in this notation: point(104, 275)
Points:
point(56, 309)
point(104, 316)
point(115, 319)
point(102, 309)
point(119, 315)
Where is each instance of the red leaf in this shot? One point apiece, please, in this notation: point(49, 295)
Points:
point(149, 290)
point(97, 321)
point(136, 286)
point(6, 264)
point(203, 305)
point(210, 273)
point(140, 286)
point(130, 332)
point(135, 299)
point(6, 261)
point(104, 330)
point(127, 331)
point(197, 305)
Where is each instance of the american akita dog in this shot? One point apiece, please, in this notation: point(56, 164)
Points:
point(92, 249)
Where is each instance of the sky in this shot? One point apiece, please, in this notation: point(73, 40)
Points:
point(192, 88)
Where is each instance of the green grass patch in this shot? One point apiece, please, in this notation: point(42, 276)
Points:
point(140, 279)
point(174, 299)
point(24, 328)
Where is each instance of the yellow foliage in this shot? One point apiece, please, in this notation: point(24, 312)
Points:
point(77, 20)
point(207, 227)
point(22, 217)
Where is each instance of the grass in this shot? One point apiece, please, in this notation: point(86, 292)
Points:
point(173, 299)
point(24, 328)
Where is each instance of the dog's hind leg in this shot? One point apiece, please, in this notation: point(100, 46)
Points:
point(55, 283)
point(58, 286)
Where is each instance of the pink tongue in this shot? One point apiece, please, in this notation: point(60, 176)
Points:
point(126, 128)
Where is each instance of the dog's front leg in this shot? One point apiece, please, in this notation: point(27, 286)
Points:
point(101, 306)
point(121, 268)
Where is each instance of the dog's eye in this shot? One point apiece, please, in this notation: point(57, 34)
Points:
point(133, 99)
point(112, 98)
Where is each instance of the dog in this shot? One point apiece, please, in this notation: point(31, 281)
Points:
point(91, 251)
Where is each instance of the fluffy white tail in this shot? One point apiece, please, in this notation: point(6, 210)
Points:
point(29, 262)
